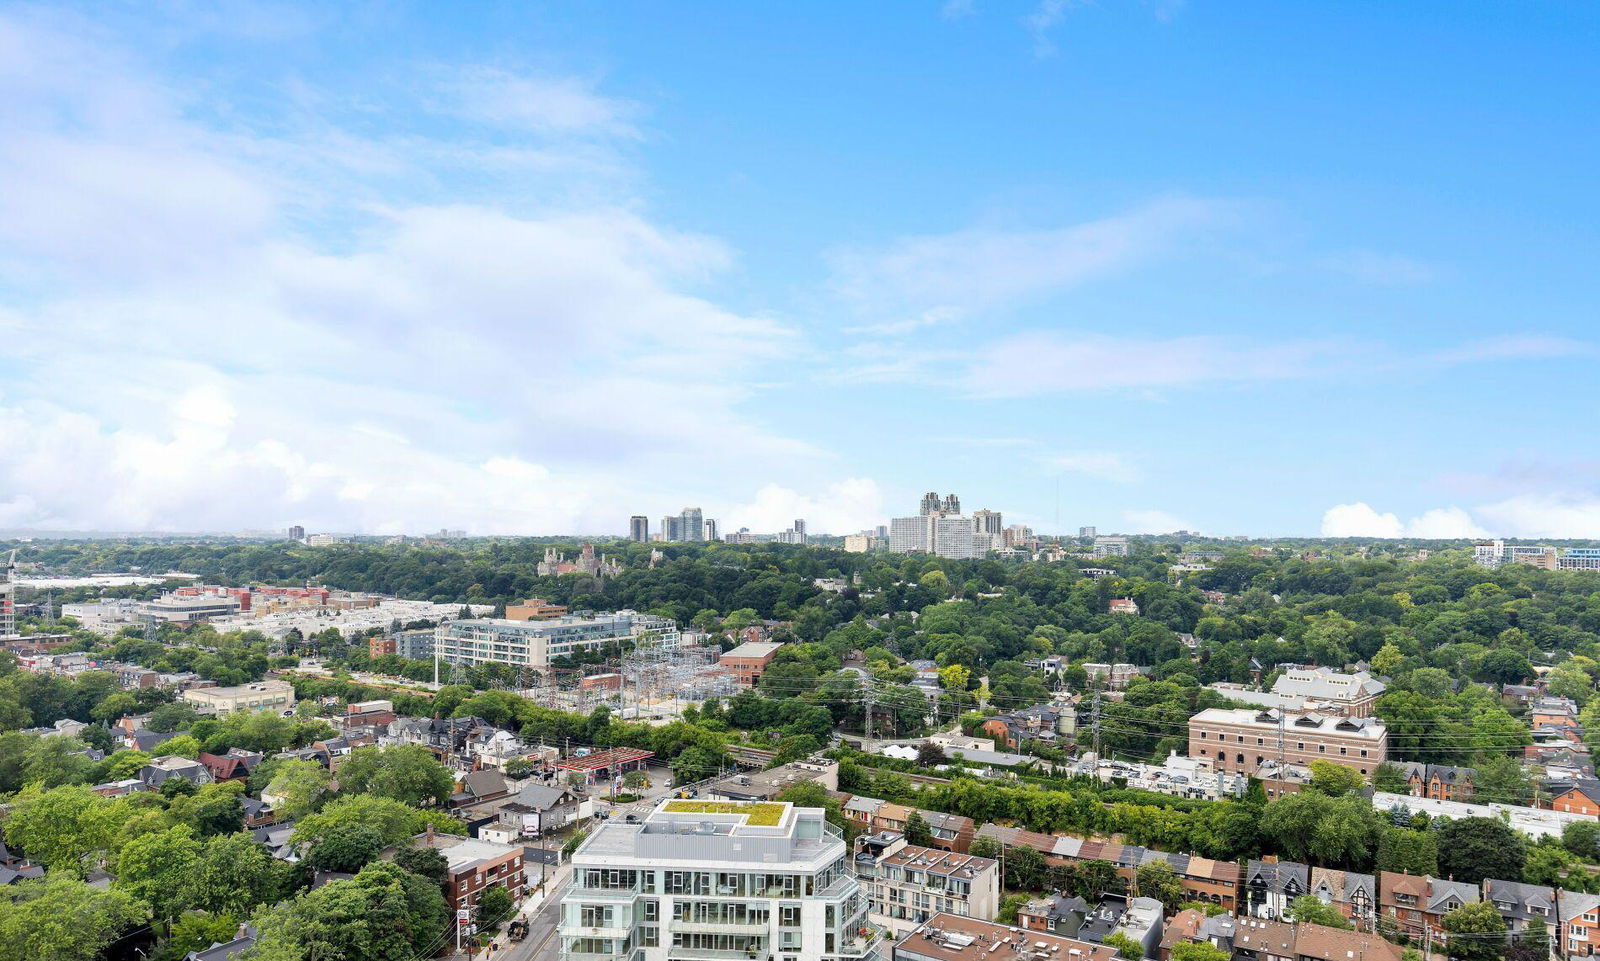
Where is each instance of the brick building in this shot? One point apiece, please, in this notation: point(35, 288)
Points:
point(1241, 740)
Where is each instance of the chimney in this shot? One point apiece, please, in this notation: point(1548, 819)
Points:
point(430, 834)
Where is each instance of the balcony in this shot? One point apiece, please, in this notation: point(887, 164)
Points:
point(722, 927)
point(603, 894)
point(711, 954)
point(857, 946)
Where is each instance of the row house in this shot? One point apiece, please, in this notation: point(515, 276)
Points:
point(1255, 939)
point(1579, 929)
point(951, 832)
point(1272, 885)
point(1416, 906)
point(1202, 879)
point(906, 884)
point(1351, 893)
point(1521, 904)
point(1440, 782)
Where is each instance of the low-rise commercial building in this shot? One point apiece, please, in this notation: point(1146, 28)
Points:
point(474, 866)
point(749, 660)
point(269, 695)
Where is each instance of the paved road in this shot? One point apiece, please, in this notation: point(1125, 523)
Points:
point(541, 943)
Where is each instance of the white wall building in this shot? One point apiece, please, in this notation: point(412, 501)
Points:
point(712, 880)
point(906, 884)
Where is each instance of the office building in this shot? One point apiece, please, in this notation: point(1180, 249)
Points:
point(716, 879)
point(906, 885)
point(638, 528)
point(1241, 740)
point(692, 524)
point(297, 533)
point(260, 696)
point(535, 644)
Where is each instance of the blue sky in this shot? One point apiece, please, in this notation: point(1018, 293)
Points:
point(524, 268)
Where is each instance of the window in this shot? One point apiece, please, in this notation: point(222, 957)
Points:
point(789, 915)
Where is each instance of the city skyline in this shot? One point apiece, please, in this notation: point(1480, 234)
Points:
point(533, 270)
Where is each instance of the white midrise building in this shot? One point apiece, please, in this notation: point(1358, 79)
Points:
point(716, 880)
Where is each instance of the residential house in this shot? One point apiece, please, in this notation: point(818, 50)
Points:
point(1353, 894)
point(1054, 914)
point(235, 765)
point(160, 769)
point(1113, 676)
point(542, 808)
point(1318, 942)
point(1580, 797)
point(1271, 886)
point(1416, 906)
point(477, 787)
point(1183, 926)
point(951, 832)
point(1521, 904)
point(1257, 939)
point(1578, 933)
point(1041, 723)
point(1438, 781)
point(146, 740)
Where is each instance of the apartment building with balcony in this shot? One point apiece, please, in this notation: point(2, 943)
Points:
point(535, 643)
point(906, 884)
point(716, 881)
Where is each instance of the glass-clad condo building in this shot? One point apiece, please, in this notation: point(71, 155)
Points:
point(717, 881)
point(536, 643)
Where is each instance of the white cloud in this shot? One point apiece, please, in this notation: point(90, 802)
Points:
point(841, 508)
point(1361, 520)
point(1514, 347)
point(1154, 522)
point(248, 344)
point(983, 267)
point(1044, 17)
point(1052, 362)
point(1559, 514)
point(957, 9)
point(542, 104)
point(1104, 465)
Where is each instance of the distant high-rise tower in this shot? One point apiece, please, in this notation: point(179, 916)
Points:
point(672, 528)
point(638, 528)
point(693, 525)
point(930, 503)
point(800, 526)
point(1087, 532)
point(987, 522)
point(8, 596)
point(952, 504)
point(297, 533)
point(712, 534)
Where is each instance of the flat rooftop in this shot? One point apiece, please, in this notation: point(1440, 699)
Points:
point(947, 936)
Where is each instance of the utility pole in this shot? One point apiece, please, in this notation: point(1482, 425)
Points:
point(867, 727)
point(1094, 722)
